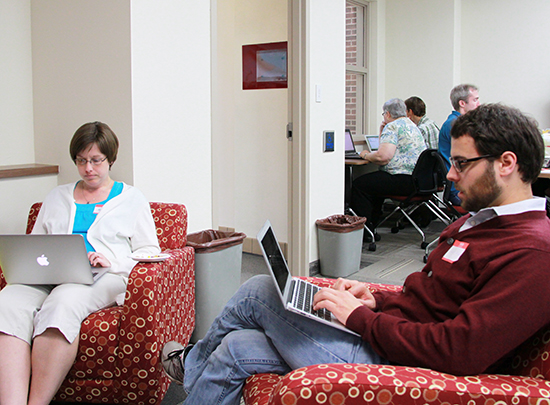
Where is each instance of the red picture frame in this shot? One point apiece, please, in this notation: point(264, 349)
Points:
point(265, 66)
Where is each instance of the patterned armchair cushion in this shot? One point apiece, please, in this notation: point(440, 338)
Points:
point(533, 357)
point(354, 384)
point(118, 355)
point(171, 224)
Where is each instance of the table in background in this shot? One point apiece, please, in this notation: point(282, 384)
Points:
point(350, 163)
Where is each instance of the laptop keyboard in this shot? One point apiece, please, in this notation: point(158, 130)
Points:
point(352, 155)
point(302, 298)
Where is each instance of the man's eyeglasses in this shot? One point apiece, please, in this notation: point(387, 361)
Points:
point(458, 164)
point(93, 162)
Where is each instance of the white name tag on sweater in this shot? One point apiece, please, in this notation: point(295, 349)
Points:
point(454, 253)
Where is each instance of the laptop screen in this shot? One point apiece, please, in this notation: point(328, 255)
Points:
point(276, 259)
point(350, 147)
point(374, 142)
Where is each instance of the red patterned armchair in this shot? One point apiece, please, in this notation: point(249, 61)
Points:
point(354, 384)
point(118, 356)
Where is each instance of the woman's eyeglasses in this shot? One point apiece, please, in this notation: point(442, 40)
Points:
point(93, 161)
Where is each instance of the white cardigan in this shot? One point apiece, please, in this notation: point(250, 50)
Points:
point(123, 226)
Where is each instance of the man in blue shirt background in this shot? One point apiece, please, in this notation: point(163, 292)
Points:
point(464, 98)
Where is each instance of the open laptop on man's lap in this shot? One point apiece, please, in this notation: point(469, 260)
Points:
point(296, 294)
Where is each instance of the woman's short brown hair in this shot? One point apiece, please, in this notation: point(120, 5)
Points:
point(95, 133)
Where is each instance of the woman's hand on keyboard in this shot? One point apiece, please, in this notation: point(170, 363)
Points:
point(98, 260)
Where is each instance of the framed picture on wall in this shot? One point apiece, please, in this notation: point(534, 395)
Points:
point(265, 66)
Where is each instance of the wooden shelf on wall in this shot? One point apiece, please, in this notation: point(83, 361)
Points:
point(33, 169)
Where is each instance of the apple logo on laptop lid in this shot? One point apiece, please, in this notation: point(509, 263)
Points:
point(42, 261)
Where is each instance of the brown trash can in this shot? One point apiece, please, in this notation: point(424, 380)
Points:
point(340, 244)
point(218, 262)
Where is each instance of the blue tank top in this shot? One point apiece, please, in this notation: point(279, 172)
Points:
point(87, 213)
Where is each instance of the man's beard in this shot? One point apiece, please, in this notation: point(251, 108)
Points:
point(483, 192)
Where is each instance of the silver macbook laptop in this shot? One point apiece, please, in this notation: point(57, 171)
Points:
point(351, 152)
point(46, 259)
point(296, 294)
point(373, 142)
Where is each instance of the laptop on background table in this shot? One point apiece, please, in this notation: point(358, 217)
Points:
point(351, 152)
point(373, 142)
point(296, 294)
point(46, 259)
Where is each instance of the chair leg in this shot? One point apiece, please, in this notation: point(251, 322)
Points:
point(398, 208)
point(429, 247)
point(438, 212)
point(423, 244)
point(372, 244)
point(442, 208)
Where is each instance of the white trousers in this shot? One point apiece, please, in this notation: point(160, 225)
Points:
point(26, 311)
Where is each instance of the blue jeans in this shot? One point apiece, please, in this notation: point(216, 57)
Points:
point(255, 334)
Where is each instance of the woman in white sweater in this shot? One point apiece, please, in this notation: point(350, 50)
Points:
point(40, 325)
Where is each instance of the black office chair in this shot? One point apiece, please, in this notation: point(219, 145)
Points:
point(451, 212)
point(443, 204)
point(429, 178)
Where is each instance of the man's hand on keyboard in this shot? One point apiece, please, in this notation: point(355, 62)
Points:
point(358, 289)
point(340, 302)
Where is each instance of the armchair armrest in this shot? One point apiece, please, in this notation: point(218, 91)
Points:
point(2, 280)
point(159, 306)
point(355, 384)
point(327, 282)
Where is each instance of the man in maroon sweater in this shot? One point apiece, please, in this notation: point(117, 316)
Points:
point(483, 292)
point(484, 289)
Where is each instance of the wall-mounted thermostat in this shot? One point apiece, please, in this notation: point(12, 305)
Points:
point(328, 141)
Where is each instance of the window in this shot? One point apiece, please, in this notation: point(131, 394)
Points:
point(356, 66)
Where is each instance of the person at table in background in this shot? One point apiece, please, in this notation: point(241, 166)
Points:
point(416, 112)
point(482, 293)
point(401, 143)
point(464, 98)
point(40, 324)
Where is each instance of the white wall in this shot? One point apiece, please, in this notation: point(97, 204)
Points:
point(250, 151)
point(249, 146)
point(506, 52)
point(156, 100)
point(18, 194)
point(420, 53)
point(500, 46)
point(171, 112)
point(326, 49)
point(142, 68)
point(81, 73)
point(16, 131)
point(16, 116)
